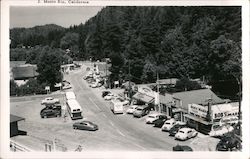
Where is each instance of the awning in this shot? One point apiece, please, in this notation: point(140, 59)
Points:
point(197, 119)
point(14, 118)
point(143, 97)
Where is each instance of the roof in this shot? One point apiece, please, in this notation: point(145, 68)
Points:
point(166, 99)
point(14, 118)
point(196, 96)
point(24, 72)
point(143, 97)
point(168, 81)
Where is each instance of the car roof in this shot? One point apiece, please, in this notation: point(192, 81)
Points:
point(185, 129)
point(133, 106)
point(155, 114)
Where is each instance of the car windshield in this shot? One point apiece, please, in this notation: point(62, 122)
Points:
point(167, 123)
point(151, 116)
point(138, 109)
point(182, 132)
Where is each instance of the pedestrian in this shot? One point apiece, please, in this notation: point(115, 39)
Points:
point(65, 117)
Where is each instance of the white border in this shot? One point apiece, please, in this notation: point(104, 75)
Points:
point(4, 85)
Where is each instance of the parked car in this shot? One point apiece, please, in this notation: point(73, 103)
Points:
point(182, 148)
point(109, 96)
point(66, 86)
point(151, 118)
point(51, 111)
point(95, 85)
point(85, 125)
point(141, 111)
point(186, 133)
point(50, 100)
point(131, 109)
point(160, 121)
point(228, 143)
point(220, 130)
point(104, 93)
point(175, 129)
point(168, 124)
point(121, 100)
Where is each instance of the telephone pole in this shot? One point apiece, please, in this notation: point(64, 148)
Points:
point(129, 83)
point(158, 92)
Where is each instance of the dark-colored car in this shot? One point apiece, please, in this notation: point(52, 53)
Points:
point(175, 129)
point(85, 125)
point(182, 148)
point(160, 121)
point(141, 111)
point(104, 93)
point(51, 111)
point(228, 143)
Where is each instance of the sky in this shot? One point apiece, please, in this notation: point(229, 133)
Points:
point(63, 16)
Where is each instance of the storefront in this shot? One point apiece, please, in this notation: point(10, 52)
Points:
point(220, 115)
point(144, 96)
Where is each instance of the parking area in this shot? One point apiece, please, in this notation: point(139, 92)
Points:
point(120, 132)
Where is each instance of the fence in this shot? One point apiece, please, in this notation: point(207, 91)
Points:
point(14, 146)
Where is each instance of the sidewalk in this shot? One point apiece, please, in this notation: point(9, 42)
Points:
point(204, 143)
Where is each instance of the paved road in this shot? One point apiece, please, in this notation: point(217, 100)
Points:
point(116, 132)
point(119, 132)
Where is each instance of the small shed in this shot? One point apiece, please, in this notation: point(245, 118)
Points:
point(14, 126)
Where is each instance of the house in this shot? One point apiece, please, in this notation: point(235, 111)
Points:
point(177, 103)
point(22, 73)
point(14, 131)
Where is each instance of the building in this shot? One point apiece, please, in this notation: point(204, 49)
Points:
point(14, 131)
point(144, 95)
point(67, 67)
point(176, 104)
point(206, 118)
point(22, 73)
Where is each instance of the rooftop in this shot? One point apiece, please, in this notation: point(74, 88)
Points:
point(200, 96)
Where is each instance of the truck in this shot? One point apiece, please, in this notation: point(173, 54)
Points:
point(116, 107)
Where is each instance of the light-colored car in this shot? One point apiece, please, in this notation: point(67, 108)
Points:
point(50, 100)
point(220, 131)
point(109, 96)
point(131, 109)
point(95, 85)
point(67, 86)
point(123, 101)
point(168, 124)
point(152, 117)
point(186, 133)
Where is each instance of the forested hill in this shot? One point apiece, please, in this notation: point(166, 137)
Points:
point(38, 35)
point(180, 42)
point(175, 41)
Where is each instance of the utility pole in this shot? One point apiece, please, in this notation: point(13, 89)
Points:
point(239, 96)
point(129, 84)
point(158, 91)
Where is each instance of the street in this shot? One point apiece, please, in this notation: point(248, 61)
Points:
point(120, 132)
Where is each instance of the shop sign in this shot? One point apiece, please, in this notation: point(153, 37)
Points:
point(197, 110)
point(228, 120)
point(219, 115)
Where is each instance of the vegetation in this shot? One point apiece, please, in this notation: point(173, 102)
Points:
point(179, 42)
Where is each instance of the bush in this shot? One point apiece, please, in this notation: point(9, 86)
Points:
point(30, 88)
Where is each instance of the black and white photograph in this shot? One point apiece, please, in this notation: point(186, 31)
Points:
point(142, 78)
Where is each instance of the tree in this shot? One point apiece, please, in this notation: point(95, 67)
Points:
point(48, 68)
point(185, 84)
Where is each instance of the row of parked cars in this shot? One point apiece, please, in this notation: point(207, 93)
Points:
point(53, 109)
